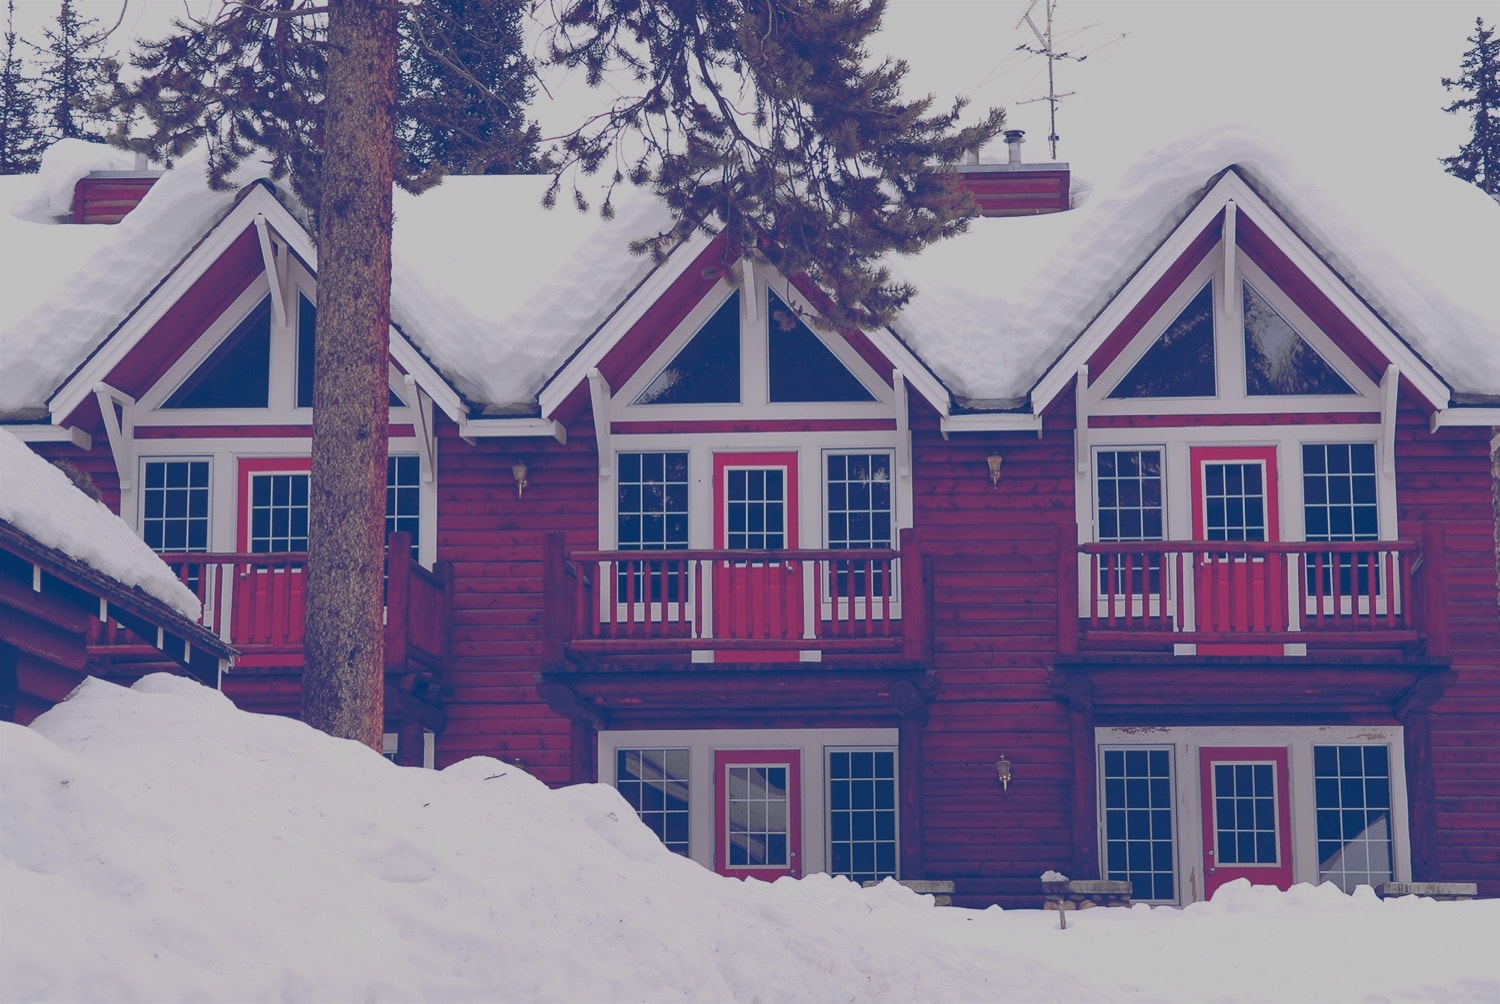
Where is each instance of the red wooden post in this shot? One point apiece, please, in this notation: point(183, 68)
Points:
point(1435, 588)
point(411, 746)
point(1067, 589)
point(554, 598)
point(444, 572)
point(1421, 796)
point(398, 610)
point(915, 597)
point(1084, 794)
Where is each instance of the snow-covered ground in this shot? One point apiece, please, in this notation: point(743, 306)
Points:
point(160, 845)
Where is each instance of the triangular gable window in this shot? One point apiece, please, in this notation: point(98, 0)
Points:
point(802, 367)
point(1278, 359)
point(238, 373)
point(307, 330)
point(1181, 362)
point(707, 369)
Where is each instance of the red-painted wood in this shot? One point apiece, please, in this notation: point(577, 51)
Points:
point(758, 425)
point(784, 811)
point(1221, 862)
point(108, 200)
point(1168, 421)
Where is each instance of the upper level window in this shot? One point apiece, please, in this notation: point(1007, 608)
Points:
point(238, 373)
point(307, 330)
point(1181, 362)
point(652, 502)
point(707, 369)
point(1128, 495)
point(278, 513)
point(859, 500)
point(174, 505)
point(403, 498)
point(1338, 491)
point(802, 368)
point(1278, 359)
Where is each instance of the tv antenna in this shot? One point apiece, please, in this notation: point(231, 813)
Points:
point(1047, 49)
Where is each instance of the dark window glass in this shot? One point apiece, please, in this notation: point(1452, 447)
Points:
point(1138, 838)
point(1338, 503)
point(1352, 789)
point(174, 503)
point(307, 326)
point(707, 369)
point(1278, 359)
point(655, 783)
point(862, 814)
point(1128, 503)
point(802, 367)
point(651, 511)
point(278, 513)
point(1181, 362)
point(238, 373)
point(1244, 799)
point(859, 517)
point(403, 498)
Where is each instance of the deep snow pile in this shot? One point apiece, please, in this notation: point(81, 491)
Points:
point(160, 845)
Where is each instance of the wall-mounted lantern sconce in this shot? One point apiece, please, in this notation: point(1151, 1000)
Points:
point(518, 471)
point(1002, 770)
point(994, 460)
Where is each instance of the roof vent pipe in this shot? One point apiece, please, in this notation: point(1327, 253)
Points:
point(1013, 139)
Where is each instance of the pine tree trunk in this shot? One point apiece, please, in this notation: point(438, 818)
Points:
point(344, 676)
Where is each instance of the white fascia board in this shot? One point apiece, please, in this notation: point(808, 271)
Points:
point(1064, 371)
point(30, 432)
point(258, 201)
point(1006, 421)
point(517, 428)
point(916, 373)
point(428, 379)
point(1465, 417)
point(1413, 369)
point(576, 370)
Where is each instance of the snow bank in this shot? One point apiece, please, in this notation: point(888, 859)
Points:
point(158, 844)
point(39, 500)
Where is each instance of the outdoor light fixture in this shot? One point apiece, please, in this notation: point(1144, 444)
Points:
point(518, 471)
point(993, 460)
point(1002, 769)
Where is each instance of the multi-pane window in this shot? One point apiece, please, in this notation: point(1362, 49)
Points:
point(1244, 807)
point(655, 783)
point(651, 514)
point(403, 498)
point(862, 813)
point(1138, 828)
point(755, 508)
point(1338, 504)
point(1129, 507)
point(174, 505)
point(757, 807)
point(859, 517)
point(1352, 787)
point(278, 513)
point(1234, 501)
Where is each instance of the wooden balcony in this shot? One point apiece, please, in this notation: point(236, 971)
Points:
point(257, 602)
point(722, 606)
point(1247, 598)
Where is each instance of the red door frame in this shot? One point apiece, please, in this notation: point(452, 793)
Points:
point(1251, 608)
point(760, 600)
point(248, 467)
point(791, 759)
point(1215, 874)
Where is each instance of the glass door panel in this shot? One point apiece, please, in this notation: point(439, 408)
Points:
point(1246, 816)
point(758, 814)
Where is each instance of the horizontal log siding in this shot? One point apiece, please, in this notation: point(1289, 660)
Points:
point(1444, 477)
point(494, 540)
point(995, 636)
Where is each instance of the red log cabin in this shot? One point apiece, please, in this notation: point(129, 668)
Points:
point(1167, 557)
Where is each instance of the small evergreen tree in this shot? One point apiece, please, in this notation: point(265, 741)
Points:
point(74, 73)
point(1478, 160)
point(20, 136)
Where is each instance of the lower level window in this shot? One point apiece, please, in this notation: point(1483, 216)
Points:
point(1353, 793)
point(1184, 810)
point(655, 783)
point(765, 802)
point(1138, 823)
point(862, 814)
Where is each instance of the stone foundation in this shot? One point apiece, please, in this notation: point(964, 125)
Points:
point(1432, 890)
point(1084, 894)
point(941, 890)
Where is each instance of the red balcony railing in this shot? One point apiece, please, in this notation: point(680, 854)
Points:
point(257, 602)
point(740, 605)
point(1165, 593)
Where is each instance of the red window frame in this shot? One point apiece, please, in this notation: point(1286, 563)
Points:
point(791, 759)
point(1215, 874)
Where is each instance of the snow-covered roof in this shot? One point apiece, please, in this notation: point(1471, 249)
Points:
point(40, 501)
point(498, 292)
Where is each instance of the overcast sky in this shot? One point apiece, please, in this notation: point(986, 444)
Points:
point(1338, 81)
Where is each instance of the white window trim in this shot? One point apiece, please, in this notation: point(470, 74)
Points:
point(702, 745)
point(132, 504)
point(1298, 741)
